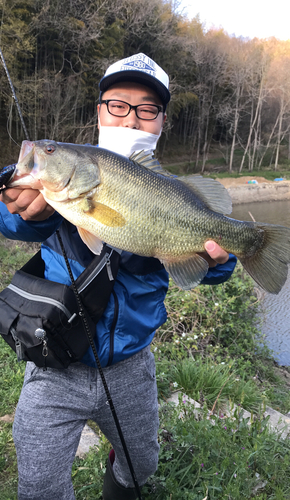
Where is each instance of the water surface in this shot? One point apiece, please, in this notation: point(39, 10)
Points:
point(276, 318)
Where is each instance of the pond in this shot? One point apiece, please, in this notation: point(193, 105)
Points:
point(276, 318)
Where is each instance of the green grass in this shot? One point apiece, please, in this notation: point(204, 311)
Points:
point(177, 161)
point(268, 174)
point(189, 168)
point(216, 384)
point(211, 350)
point(13, 255)
point(218, 458)
point(11, 374)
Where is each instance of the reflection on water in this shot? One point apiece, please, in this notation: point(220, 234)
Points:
point(276, 324)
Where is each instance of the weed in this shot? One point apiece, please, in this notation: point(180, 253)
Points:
point(218, 383)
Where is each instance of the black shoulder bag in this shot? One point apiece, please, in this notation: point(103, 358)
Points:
point(41, 320)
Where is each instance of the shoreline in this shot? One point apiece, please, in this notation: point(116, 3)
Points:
point(241, 192)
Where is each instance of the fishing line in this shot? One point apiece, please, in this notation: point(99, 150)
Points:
point(14, 95)
point(7, 128)
point(82, 315)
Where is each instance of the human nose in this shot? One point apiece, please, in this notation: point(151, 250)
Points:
point(131, 120)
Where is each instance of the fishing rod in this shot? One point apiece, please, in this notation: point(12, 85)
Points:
point(7, 173)
point(81, 312)
point(14, 95)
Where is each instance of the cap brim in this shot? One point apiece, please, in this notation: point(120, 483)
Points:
point(138, 77)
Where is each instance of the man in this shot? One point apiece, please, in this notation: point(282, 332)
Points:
point(55, 404)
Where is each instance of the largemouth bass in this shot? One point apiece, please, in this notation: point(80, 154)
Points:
point(133, 205)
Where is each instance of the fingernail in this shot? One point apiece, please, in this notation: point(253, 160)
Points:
point(209, 246)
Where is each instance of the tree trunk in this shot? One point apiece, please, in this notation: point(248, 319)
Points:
point(279, 138)
point(236, 121)
point(253, 121)
point(269, 141)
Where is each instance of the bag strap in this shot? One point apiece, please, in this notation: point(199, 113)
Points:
point(34, 266)
point(96, 282)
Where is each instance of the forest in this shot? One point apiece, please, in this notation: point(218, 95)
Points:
point(230, 96)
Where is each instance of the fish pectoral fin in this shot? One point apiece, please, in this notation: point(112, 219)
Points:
point(102, 213)
point(211, 192)
point(188, 273)
point(92, 241)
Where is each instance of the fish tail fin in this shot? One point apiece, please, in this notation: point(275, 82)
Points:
point(268, 267)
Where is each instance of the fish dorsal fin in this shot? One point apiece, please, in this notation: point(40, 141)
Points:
point(92, 242)
point(211, 192)
point(147, 161)
point(144, 159)
point(187, 274)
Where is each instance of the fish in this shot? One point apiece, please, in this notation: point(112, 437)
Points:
point(133, 205)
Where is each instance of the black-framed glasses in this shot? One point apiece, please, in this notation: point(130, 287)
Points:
point(122, 109)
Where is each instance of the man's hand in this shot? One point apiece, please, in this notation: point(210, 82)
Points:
point(29, 203)
point(215, 254)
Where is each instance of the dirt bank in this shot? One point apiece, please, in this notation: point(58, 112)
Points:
point(242, 192)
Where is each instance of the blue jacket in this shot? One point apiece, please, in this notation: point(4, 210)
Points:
point(134, 311)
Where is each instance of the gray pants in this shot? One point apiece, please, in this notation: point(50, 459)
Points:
point(53, 408)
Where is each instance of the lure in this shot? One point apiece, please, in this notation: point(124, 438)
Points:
point(6, 175)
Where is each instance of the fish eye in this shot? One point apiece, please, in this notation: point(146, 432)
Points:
point(50, 149)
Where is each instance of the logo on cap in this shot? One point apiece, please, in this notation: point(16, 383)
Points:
point(138, 63)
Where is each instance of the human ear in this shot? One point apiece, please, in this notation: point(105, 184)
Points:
point(98, 111)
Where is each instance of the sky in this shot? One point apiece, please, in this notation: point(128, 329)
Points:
point(248, 18)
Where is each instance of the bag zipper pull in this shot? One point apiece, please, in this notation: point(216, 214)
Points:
point(18, 345)
point(41, 335)
point(109, 269)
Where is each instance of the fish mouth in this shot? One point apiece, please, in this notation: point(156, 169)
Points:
point(27, 161)
point(26, 147)
point(26, 157)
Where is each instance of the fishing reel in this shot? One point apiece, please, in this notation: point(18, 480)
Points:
point(6, 176)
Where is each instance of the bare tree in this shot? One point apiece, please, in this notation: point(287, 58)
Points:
point(256, 92)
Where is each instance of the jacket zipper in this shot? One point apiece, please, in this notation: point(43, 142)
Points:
point(104, 262)
point(113, 327)
point(19, 349)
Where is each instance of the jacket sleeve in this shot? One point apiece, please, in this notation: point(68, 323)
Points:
point(221, 272)
point(15, 228)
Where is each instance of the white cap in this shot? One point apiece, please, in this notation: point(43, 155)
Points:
point(141, 69)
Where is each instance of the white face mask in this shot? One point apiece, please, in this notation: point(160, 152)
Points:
point(125, 141)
